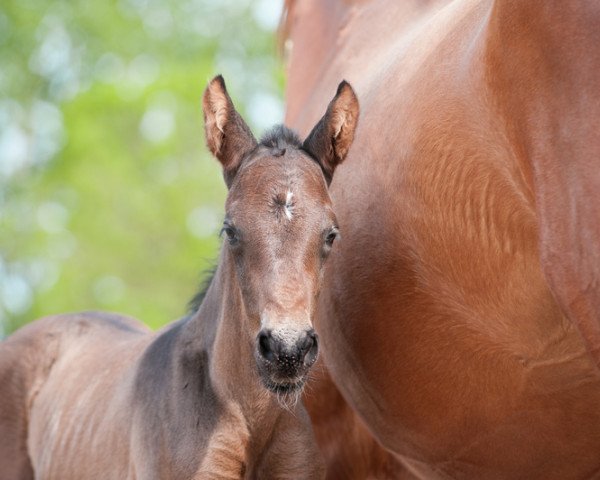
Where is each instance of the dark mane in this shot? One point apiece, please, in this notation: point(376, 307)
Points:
point(280, 137)
point(194, 304)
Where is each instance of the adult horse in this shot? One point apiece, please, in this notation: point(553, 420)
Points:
point(99, 396)
point(459, 317)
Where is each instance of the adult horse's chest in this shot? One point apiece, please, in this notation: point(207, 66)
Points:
point(442, 333)
point(438, 325)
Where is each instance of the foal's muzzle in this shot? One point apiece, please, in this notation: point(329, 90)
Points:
point(284, 358)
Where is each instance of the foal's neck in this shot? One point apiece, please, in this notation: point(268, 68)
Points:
point(221, 328)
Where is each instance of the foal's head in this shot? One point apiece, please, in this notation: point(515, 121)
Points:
point(279, 225)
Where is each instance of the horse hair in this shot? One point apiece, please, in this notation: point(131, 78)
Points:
point(280, 137)
point(207, 278)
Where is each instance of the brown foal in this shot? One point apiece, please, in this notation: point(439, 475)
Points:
point(214, 395)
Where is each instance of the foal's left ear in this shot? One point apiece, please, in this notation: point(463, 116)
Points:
point(330, 139)
point(227, 135)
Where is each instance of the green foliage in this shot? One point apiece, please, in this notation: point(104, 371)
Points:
point(108, 197)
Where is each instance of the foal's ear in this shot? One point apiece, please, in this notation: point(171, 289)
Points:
point(227, 135)
point(330, 139)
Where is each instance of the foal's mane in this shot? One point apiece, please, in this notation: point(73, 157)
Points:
point(194, 304)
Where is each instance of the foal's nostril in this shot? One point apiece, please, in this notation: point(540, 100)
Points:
point(309, 347)
point(266, 345)
point(287, 358)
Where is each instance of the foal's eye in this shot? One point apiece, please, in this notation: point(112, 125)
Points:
point(230, 233)
point(331, 236)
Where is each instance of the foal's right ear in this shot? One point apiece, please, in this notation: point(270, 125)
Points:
point(227, 135)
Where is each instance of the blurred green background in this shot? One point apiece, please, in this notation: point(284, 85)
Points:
point(108, 197)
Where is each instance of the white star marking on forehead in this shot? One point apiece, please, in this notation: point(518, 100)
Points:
point(288, 208)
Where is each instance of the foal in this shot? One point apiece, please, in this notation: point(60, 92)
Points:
point(97, 395)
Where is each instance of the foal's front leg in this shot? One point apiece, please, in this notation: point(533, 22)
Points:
point(292, 453)
point(225, 457)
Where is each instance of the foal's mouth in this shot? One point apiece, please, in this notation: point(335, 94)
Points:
point(285, 388)
point(283, 362)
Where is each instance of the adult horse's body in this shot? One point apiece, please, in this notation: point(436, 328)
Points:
point(459, 318)
point(98, 396)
